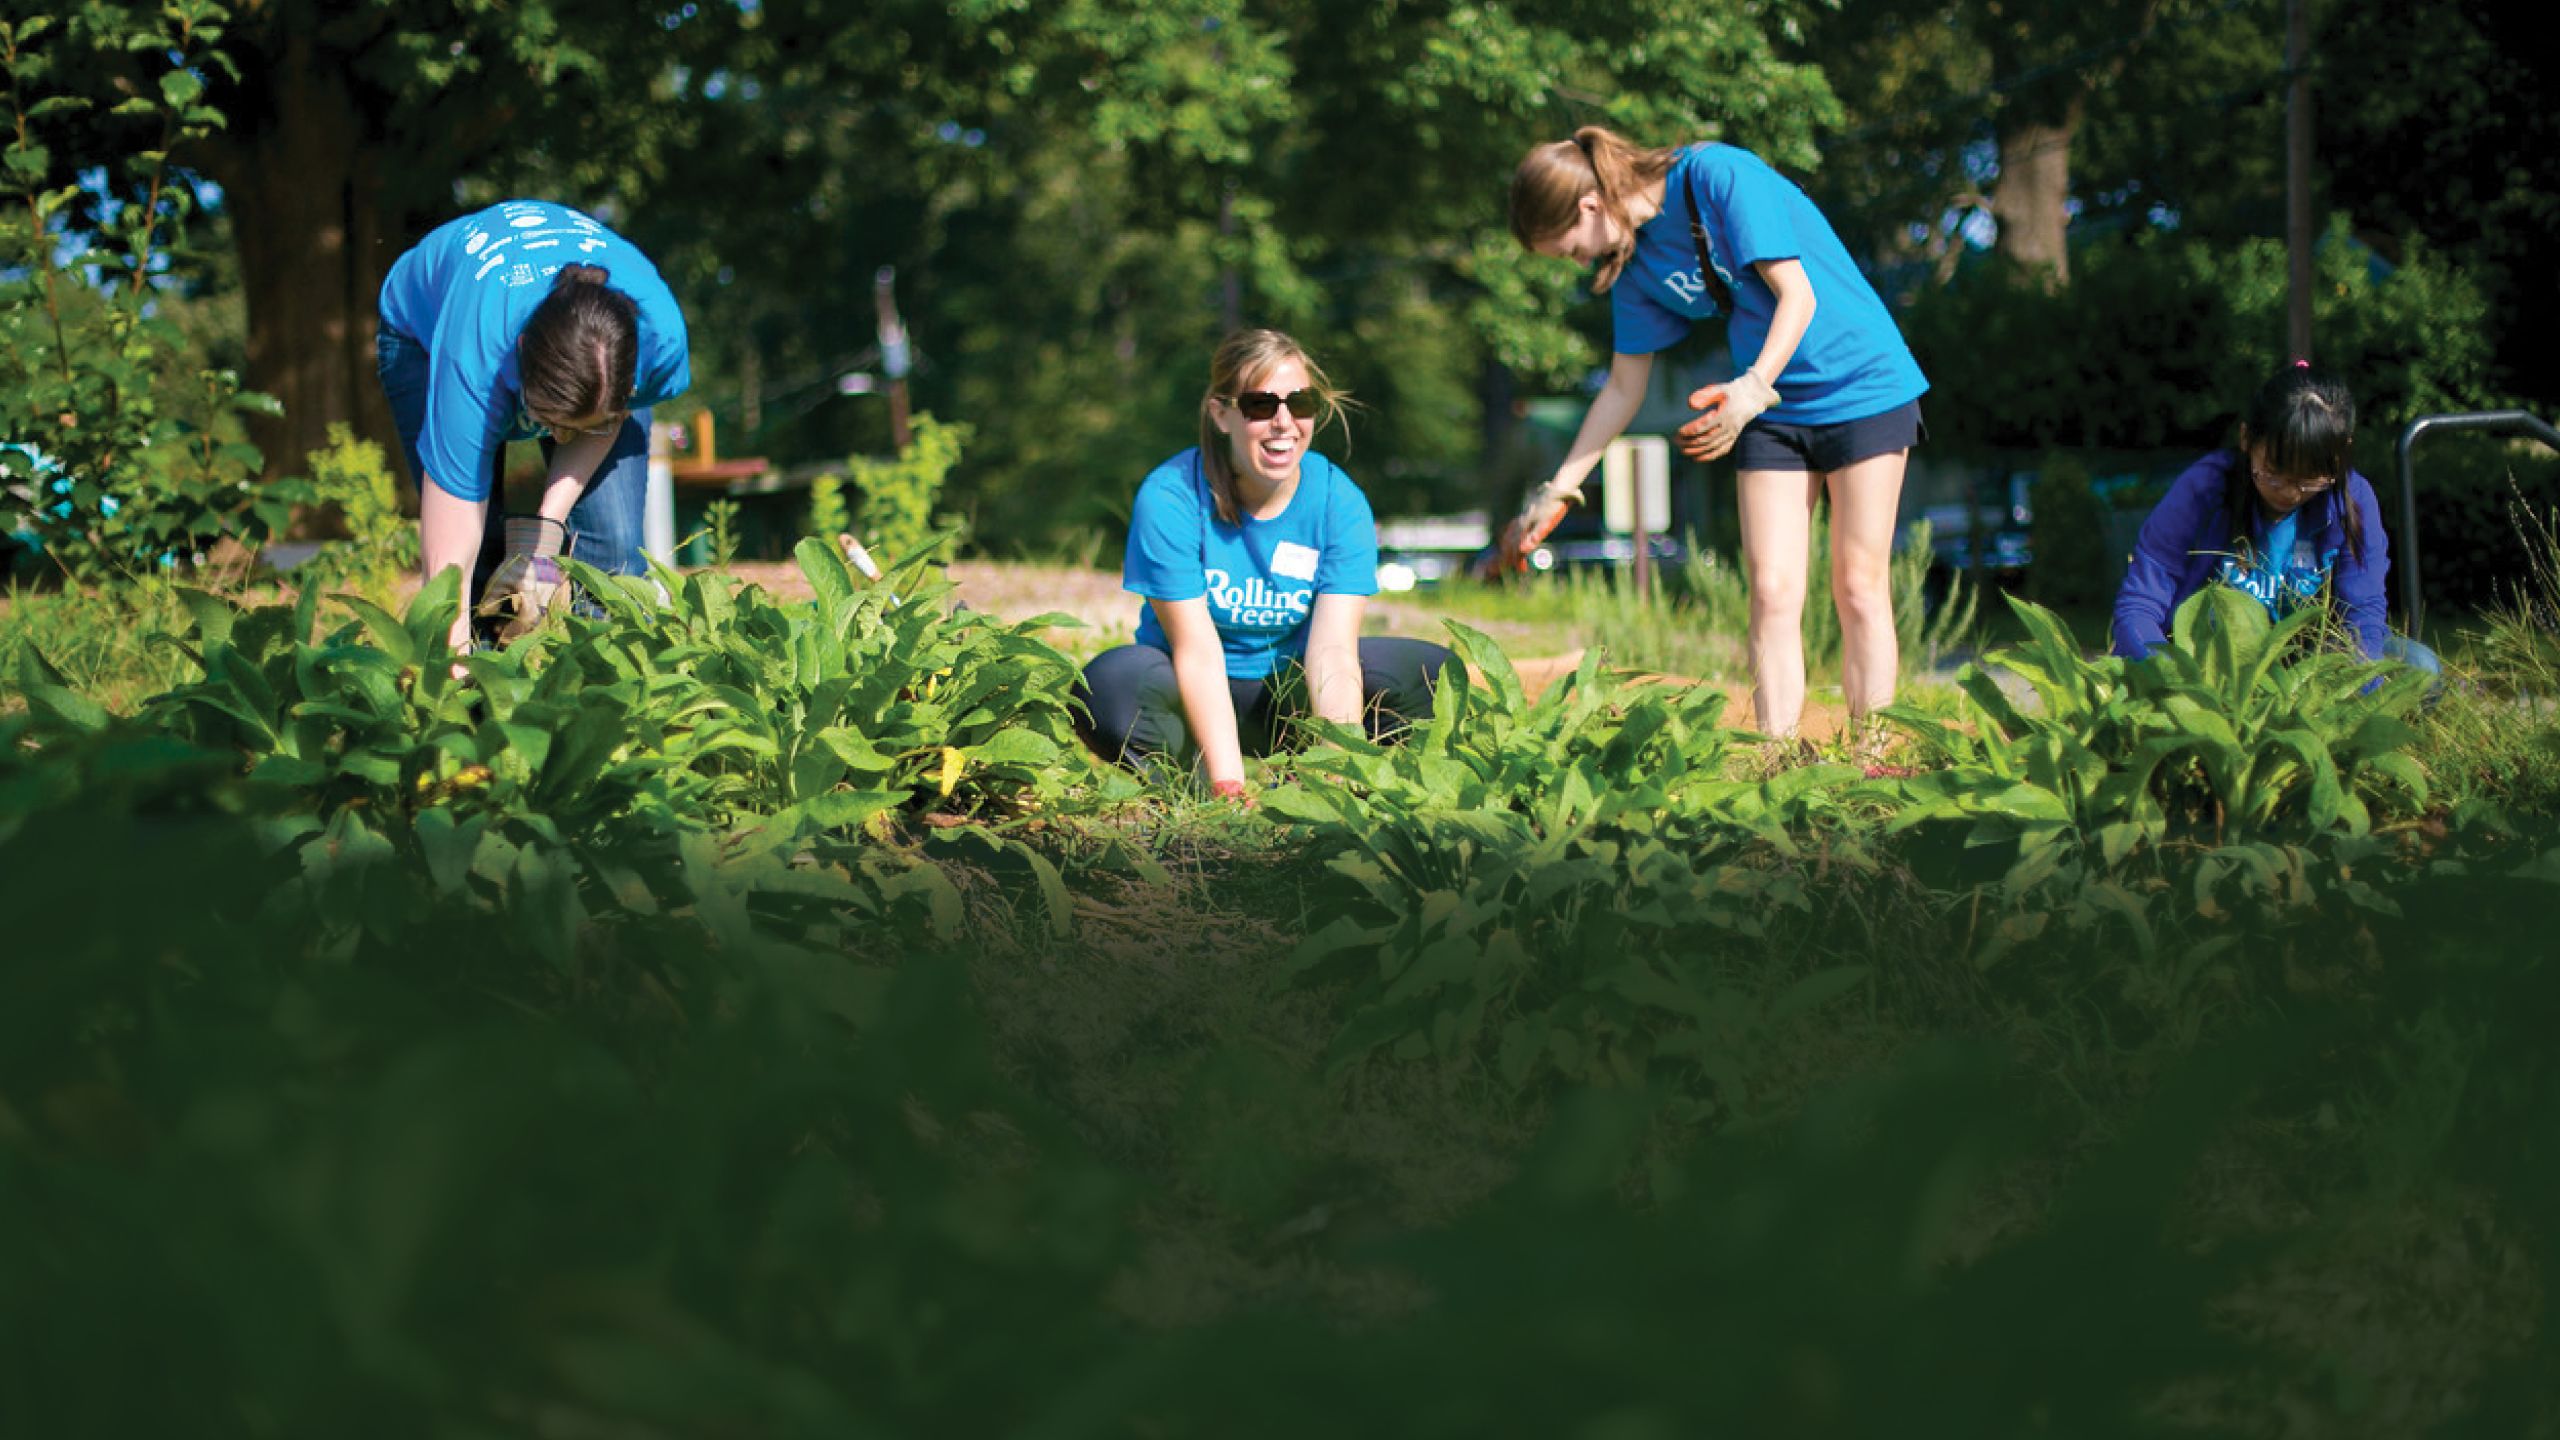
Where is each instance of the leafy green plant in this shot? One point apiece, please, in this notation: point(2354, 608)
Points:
point(899, 494)
point(381, 544)
point(722, 518)
point(829, 516)
point(1547, 883)
point(114, 471)
point(868, 698)
point(2236, 729)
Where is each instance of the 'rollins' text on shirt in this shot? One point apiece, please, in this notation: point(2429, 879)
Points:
point(1254, 604)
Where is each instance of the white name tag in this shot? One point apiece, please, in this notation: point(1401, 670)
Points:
point(1294, 561)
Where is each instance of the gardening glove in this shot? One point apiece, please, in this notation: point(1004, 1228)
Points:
point(1538, 518)
point(529, 580)
point(1729, 406)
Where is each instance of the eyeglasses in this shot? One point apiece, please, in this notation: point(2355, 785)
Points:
point(2309, 485)
point(563, 432)
point(1262, 404)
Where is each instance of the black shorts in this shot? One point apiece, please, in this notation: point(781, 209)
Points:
point(1767, 444)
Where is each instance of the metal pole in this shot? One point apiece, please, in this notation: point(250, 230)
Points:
point(893, 352)
point(2297, 179)
point(2512, 421)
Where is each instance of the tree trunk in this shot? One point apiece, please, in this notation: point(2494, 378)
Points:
point(2034, 188)
point(315, 241)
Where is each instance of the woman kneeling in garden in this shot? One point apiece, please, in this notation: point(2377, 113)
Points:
point(2279, 514)
point(1256, 557)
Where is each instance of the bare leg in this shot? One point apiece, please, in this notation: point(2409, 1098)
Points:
point(1777, 544)
point(1865, 499)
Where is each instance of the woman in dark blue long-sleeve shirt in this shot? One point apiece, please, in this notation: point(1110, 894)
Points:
point(2280, 515)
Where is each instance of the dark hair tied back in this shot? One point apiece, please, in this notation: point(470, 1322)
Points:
point(2301, 425)
point(579, 352)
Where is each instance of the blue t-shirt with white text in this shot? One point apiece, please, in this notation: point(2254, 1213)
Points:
point(1852, 362)
point(1260, 577)
point(466, 291)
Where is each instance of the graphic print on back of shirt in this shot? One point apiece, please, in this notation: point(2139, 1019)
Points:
point(515, 245)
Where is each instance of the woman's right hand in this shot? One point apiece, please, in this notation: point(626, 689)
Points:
point(1529, 529)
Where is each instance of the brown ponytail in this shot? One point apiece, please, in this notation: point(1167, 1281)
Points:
point(1547, 189)
point(578, 353)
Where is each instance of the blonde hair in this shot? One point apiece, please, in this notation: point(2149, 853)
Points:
point(1547, 190)
point(1241, 359)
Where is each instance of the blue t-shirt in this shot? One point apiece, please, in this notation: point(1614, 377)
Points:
point(1261, 577)
point(2280, 571)
point(466, 291)
point(1852, 362)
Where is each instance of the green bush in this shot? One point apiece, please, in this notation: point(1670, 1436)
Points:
point(898, 495)
point(381, 543)
point(2160, 339)
point(829, 516)
point(2474, 492)
point(113, 469)
point(2071, 569)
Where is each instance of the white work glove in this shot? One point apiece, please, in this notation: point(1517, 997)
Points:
point(529, 580)
point(1728, 407)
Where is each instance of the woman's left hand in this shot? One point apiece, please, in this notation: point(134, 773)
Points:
point(1729, 406)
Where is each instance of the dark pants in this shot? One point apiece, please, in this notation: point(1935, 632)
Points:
point(1137, 705)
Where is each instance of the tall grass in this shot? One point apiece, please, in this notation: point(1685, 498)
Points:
point(1696, 620)
point(110, 644)
point(2498, 735)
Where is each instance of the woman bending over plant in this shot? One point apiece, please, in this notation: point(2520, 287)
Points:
point(1827, 401)
point(524, 321)
point(2279, 514)
point(1256, 557)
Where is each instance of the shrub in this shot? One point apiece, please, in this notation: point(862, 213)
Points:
point(113, 469)
point(381, 544)
point(829, 516)
point(898, 495)
point(2071, 569)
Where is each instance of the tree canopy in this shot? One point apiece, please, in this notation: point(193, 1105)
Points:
point(1078, 198)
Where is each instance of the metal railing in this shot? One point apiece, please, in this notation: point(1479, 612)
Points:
point(2512, 422)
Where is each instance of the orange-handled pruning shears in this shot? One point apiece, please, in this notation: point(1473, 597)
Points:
point(1521, 536)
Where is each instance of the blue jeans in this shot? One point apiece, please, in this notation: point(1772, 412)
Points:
point(605, 524)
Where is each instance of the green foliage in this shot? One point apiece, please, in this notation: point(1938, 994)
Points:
point(829, 516)
point(1694, 622)
point(2239, 728)
point(2250, 768)
point(721, 518)
point(2478, 499)
point(899, 494)
point(381, 543)
point(410, 1117)
point(110, 646)
point(1552, 886)
point(825, 715)
point(2072, 569)
point(2162, 338)
point(115, 473)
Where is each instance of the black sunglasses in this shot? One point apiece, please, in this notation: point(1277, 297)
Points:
point(1262, 404)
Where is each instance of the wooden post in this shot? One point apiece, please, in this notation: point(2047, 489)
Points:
point(2297, 179)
